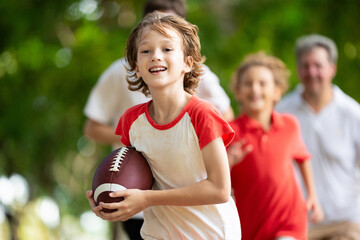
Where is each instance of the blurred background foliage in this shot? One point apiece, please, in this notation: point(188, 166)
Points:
point(52, 53)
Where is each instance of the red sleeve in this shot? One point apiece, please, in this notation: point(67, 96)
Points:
point(235, 125)
point(126, 120)
point(209, 124)
point(300, 152)
point(122, 129)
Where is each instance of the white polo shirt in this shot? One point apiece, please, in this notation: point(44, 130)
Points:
point(332, 136)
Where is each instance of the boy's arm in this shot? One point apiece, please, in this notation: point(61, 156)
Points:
point(312, 203)
point(216, 188)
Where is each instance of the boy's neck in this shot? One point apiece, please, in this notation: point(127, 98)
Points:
point(165, 108)
point(262, 117)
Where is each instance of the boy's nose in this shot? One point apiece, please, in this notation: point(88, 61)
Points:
point(156, 55)
point(255, 87)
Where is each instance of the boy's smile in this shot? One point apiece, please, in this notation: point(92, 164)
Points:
point(257, 90)
point(156, 69)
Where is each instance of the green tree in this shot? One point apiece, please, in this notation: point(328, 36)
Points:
point(52, 53)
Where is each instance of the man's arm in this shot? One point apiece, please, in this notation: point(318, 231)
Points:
point(101, 133)
point(229, 115)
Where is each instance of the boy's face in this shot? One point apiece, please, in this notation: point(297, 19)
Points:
point(316, 71)
point(257, 90)
point(160, 59)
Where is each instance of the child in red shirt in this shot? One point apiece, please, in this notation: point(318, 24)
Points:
point(267, 195)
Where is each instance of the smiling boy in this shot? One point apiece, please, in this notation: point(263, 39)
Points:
point(182, 137)
point(268, 198)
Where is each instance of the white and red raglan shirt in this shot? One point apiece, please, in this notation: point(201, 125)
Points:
point(173, 152)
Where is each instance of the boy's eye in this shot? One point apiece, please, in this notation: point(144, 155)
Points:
point(247, 83)
point(263, 83)
point(167, 49)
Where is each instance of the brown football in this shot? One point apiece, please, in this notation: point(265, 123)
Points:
point(123, 168)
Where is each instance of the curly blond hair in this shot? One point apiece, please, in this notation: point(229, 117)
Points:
point(275, 65)
point(191, 47)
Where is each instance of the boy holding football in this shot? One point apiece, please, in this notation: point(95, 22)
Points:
point(182, 137)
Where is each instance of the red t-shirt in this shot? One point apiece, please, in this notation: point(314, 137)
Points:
point(267, 195)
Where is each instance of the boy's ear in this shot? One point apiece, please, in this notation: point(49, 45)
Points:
point(238, 95)
point(189, 61)
point(137, 71)
point(277, 94)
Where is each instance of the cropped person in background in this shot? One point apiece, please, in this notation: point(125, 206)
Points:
point(110, 97)
point(330, 126)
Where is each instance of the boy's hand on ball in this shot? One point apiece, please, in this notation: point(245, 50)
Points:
point(122, 169)
point(96, 209)
point(133, 203)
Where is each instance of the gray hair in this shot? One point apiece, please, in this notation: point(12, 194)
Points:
point(308, 42)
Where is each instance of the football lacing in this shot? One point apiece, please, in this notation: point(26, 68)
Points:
point(118, 159)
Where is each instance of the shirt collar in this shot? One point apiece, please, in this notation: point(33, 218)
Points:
point(251, 124)
point(300, 101)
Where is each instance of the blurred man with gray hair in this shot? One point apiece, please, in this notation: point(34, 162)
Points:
point(330, 126)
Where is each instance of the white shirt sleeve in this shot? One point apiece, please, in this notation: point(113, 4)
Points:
point(110, 97)
point(210, 90)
